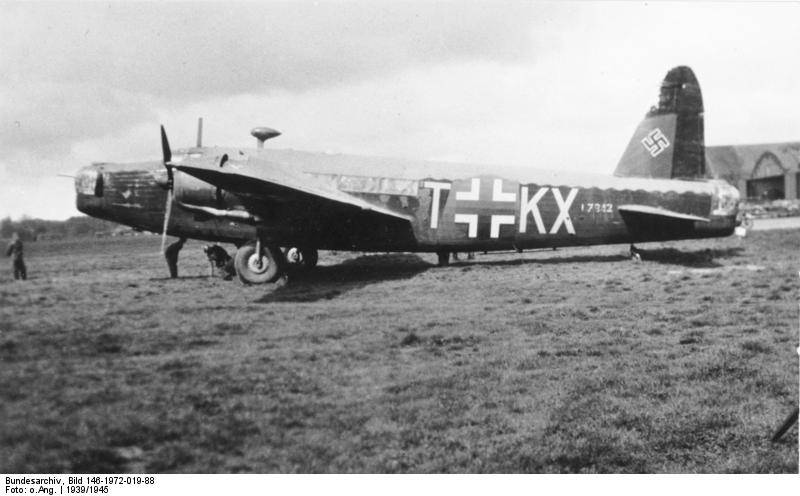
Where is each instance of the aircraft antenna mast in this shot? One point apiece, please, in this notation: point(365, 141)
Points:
point(199, 132)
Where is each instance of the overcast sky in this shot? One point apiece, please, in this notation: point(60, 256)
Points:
point(545, 85)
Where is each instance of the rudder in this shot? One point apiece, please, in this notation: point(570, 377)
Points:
point(669, 143)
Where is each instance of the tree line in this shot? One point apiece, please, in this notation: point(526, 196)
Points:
point(38, 229)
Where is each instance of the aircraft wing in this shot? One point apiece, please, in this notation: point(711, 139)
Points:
point(275, 183)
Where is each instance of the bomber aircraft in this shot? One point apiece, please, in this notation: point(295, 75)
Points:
point(263, 199)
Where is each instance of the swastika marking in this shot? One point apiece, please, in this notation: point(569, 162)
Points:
point(655, 142)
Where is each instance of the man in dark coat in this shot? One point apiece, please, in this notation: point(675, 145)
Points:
point(14, 251)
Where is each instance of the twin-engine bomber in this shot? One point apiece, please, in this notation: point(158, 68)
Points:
point(263, 199)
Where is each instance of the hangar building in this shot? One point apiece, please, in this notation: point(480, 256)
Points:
point(769, 171)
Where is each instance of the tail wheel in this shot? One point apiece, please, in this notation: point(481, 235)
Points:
point(254, 268)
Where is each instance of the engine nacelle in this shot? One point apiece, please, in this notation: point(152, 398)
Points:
point(203, 198)
point(189, 189)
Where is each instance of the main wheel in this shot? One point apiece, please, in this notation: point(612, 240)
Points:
point(254, 269)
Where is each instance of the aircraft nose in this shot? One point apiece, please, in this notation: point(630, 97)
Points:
point(89, 188)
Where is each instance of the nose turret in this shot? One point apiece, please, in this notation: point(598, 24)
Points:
point(89, 189)
point(89, 181)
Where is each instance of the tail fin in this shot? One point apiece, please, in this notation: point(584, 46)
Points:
point(669, 142)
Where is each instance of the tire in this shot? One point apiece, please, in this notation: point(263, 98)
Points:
point(250, 271)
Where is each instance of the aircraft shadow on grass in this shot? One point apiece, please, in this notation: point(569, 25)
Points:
point(668, 256)
point(697, 258)
point(551, 260)
point(179, 278)
point(328, 282)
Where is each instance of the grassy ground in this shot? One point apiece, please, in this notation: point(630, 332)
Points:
point(577, 360)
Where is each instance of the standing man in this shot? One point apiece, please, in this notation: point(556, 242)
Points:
point(171, 254)
point(14, 251)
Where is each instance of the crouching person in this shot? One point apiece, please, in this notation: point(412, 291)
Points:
point(221, 262)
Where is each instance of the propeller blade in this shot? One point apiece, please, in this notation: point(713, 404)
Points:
point(167, 213)
point(167, 156)
point(167, 153)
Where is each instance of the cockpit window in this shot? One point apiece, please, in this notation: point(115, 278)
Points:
point(181, 155)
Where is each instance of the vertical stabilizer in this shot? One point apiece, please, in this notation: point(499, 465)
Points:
point(669, 142)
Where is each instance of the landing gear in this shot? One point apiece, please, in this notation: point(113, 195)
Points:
point(636, 254)
point(171, 254)
point(301, 257)
point(257, 264)
point(444, 258)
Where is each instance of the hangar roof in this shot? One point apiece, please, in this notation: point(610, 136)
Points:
point(734, 162)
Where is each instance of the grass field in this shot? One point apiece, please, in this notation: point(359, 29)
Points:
point(575, 360)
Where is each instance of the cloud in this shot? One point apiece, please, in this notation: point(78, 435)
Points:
point(540, 85)
point(82, 71)
point(186, 50)
point(44, 119)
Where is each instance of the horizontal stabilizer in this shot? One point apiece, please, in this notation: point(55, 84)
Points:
point(662, 212)
point(647, 223)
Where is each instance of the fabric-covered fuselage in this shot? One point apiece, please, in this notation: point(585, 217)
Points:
point(475, 212)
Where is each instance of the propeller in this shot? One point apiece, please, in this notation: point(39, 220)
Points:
point(167, 157)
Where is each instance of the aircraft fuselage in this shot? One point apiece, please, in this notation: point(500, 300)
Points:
point(471, 213)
